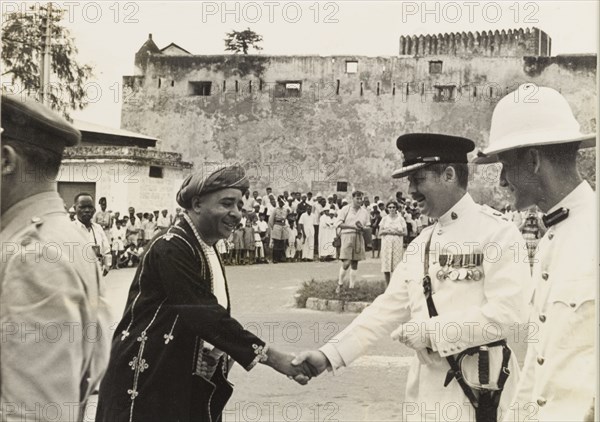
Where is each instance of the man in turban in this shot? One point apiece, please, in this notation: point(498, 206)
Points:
point(174, 347)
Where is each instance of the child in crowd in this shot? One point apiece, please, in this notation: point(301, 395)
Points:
point(298, 243)
point(263, 227)
point(248, 242)
point(222, 249)
point(238, 245)
point(230, 249)
point(290, 250)
point(117, 238)
point(258, 244)
point(131, 256)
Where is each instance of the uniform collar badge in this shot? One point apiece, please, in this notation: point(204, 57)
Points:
point(555, 217)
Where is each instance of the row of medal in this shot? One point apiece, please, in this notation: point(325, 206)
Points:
point(460, 267)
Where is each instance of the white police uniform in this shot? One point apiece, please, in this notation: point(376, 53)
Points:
point(559, 374)
point(473, 311)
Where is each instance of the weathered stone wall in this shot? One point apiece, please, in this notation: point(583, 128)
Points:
point(344, 125)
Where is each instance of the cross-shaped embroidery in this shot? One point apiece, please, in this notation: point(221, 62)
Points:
point(261, 352)
point(168, 338)
point(142, 366)
point(142, 337)
point(124, 334)
point(132, 394)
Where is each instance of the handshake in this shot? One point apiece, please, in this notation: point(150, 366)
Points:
point(301, 368)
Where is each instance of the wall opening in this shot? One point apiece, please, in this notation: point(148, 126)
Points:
point(435, 66)
point(351, 66)
point(155, 172)
point(202, 88)
point(288, 89)
point(444, 93)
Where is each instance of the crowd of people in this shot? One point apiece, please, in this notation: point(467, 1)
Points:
point(292, 227)
point(128, 235)
point(297, 226)
point(276, 227)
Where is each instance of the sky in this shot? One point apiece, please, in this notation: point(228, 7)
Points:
point(108, 34)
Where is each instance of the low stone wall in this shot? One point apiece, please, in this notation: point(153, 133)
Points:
point(335, 305)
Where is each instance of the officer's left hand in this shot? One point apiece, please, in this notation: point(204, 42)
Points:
point(412, 334)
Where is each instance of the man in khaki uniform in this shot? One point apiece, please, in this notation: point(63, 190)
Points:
point(537, 143)
point(53, 319)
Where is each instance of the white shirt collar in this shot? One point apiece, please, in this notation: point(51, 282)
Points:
point(580, 196)
point(457, 210)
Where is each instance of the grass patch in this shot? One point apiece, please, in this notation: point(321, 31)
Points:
point(326, 290)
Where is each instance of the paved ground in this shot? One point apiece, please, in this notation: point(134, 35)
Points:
point(372, 389)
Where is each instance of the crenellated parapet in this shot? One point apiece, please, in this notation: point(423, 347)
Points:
point(512, 43)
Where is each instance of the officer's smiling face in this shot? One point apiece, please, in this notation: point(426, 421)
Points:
point(427, 188)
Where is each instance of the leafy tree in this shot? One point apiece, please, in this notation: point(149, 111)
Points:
point(23, 37)
point(241, 41)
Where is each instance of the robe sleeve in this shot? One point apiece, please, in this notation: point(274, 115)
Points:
point(179, 270)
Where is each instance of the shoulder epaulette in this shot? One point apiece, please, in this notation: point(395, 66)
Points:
point(487, 210)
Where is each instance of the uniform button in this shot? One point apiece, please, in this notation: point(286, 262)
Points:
point(439, 233)
point(444, 351)
point(36, 219)
point(540, 360)
point(541, 401)
point(550, 236)
point(545, 275)
point(26, 241)
point(542, 317)
point(572, 304)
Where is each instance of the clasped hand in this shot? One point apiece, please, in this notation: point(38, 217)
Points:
point(298, 368)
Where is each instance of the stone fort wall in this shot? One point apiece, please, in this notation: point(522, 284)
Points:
point(305, 122)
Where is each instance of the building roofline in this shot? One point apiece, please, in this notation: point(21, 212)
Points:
point(95, 133)
point(175, 45)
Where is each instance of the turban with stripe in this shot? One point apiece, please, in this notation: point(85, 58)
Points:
point(201, 184)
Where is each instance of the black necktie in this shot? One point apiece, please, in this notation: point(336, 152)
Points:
point(555, 217)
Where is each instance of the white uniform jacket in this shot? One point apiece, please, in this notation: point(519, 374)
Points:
point(471, 313)
point(559, 374)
